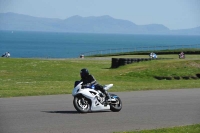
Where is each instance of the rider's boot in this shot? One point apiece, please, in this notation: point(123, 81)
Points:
point(108, 98)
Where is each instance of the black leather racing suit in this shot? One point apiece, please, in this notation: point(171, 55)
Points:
point(90, 80)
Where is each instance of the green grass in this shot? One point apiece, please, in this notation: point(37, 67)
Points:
point(28, 77)
point(183, 129)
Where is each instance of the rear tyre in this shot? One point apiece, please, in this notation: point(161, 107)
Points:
point(81, 104)
point(117, 106)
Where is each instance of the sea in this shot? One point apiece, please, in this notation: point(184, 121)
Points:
point(29, 44)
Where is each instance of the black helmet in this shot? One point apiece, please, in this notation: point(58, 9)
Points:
point(84, 73)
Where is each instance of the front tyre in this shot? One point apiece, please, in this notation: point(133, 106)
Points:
point(81, 104)
point(116, 106)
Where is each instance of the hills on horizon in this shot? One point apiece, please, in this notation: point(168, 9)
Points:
point(78, 24)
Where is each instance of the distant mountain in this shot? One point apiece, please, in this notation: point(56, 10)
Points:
point(12, 21)
point(102, 24)
point(192, 31)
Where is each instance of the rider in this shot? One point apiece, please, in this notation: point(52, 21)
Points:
point(181, 55)
point(89, 80)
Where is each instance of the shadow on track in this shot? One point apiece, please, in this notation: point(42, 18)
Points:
point(62, 112)
point(72, 112)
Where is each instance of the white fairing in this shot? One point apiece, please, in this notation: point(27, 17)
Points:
point(74, 92)
point(90, 94)
point(107, 87)
point(153, 55)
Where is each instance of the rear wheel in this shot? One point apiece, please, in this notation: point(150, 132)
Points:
point(116, 106)
point(81, 104)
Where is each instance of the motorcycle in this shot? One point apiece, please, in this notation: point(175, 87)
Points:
point(152, 55)
point(7, 54)
point(181, 56)
point(88, 99)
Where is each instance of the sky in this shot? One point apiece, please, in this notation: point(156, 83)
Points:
point(174, 14)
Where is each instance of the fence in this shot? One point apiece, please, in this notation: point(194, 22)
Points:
point(116, 62)
point(140, 49)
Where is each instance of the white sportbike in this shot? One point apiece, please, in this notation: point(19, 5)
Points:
point(88, 99)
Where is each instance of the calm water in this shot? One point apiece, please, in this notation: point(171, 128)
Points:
point(71, 45)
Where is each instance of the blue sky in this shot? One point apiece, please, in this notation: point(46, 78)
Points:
point(174, 14)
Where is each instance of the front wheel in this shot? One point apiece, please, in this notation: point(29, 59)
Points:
point(116, 106)
point(81, 104)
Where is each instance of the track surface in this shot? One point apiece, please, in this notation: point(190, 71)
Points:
point(141, 110)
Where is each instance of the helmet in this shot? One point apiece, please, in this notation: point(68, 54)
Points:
point(84, 73)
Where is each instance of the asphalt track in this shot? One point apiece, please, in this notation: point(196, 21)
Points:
point(141, 110)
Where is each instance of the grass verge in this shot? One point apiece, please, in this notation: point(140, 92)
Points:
point(28, 77)
point(182, 129)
